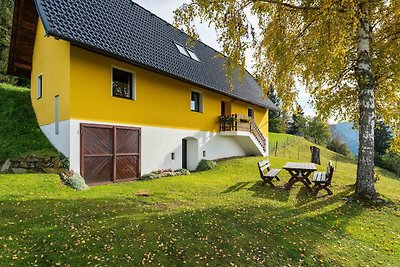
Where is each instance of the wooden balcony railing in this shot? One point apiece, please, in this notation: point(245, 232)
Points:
point(237, 122)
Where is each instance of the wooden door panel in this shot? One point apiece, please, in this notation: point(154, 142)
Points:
point(98, 141)
point(127, 167)
point(98, 169)
point(109, 153)
point(127, 141)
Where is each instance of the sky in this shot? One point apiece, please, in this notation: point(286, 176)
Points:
point(165, 8)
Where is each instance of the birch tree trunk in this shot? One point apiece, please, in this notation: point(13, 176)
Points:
point(365, 188)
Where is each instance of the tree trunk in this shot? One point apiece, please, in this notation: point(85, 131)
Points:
point(365, 188)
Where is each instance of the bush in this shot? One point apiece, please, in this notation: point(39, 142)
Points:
point(205, 165)
point(74, 180)
point(336, 145)
point(164, 173)
point(391, 162)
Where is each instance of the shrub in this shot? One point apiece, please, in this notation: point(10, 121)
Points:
point(336, 145)
point(164, 173)
point(391, 162)
point(74, 180)
point(205, 165)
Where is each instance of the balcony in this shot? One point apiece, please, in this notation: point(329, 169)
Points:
point(242, 126)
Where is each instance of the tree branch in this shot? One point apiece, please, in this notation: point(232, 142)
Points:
point(290, 6)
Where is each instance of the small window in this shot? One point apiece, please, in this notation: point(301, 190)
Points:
point(193, 55)
point(122, 84)
point(57, 116)
point(250, 113)
point(196, 102)
point(40, 87)
point(182, 50)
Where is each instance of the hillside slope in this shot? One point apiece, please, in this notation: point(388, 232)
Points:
point(20, 134)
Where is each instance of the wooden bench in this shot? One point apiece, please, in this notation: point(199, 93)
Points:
point(322, 180)
point(268, 174)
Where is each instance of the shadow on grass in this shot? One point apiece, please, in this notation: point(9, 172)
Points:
point(262, 190)
point(237, 187)
point(124, 232)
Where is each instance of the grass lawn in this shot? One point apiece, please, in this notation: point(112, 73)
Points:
point(219, 217)
point(19, 131)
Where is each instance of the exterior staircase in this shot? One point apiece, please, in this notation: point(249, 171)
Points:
point(246, 131)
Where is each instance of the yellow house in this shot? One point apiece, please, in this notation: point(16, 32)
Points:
point(117, 90)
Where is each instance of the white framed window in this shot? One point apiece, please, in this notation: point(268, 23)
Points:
point(40, 86)
point(57, 114)
point(123, 83)
point(250, 112)
point(182, 50)
point(193, 55)
point(187, 52)
point(196, 101)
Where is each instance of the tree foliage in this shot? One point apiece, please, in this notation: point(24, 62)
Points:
point(297, 124)
point(317, 130)
point(383, 138)
point(345, 53)
point(277, 123)
point(6, 7)
point(337, 145)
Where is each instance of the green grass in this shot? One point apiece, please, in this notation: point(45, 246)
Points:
point(220, 217)
point(20, 134)
point(281, 139)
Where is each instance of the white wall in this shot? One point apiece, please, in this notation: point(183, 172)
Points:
point(60, 141)
point(157, 145)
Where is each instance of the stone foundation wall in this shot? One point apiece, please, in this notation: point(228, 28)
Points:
point(35, 164)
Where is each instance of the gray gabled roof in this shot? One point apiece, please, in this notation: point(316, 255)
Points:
point(122, 29)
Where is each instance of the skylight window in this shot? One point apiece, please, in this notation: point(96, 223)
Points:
point(186, 52)
point(193, 55)
point(182, 50)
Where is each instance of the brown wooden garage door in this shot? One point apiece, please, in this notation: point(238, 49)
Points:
point(109, 153)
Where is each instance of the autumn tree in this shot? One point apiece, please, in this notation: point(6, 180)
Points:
point(346, 53)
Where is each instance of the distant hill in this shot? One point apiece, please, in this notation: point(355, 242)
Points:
point(347, 134)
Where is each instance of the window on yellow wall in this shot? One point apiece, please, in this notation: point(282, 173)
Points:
point(250, 112)
point(57, 114)
point(40, 86)
point(123, 84)
point(196, 102)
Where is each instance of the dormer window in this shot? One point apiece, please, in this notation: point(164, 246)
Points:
point(187, 52)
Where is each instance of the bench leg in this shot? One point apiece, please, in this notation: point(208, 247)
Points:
point(268, 181)
point(329, 191)
point(320, 187)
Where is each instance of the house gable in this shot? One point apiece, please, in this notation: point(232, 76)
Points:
point(125, 31)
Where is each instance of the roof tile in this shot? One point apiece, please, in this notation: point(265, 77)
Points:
point(123, 29)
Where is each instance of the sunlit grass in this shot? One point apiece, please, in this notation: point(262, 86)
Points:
point(219, 217)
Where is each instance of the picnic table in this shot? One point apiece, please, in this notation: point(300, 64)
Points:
point(299, 172)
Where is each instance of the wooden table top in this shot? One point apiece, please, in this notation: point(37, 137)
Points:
point(300, 166)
